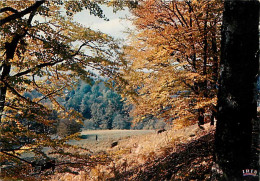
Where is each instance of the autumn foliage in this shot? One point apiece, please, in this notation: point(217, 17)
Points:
point(172, 62)
point(44, 50)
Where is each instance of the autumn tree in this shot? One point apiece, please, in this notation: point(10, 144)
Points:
point(172, 62)
point(44, 50)
point(237, 92)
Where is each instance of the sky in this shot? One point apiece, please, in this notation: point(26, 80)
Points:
point(116, 25)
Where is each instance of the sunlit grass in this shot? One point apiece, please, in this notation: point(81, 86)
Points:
point(135, 147)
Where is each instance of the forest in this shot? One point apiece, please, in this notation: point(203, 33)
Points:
point(80, 104)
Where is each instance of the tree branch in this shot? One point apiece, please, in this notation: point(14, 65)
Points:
point(8, 9)
point(51, 93)
point(36, 67)
point(183, 19)
point(172, 10)
point(9, 154)
point(190, 86)
point(22, 13)
point(19, 95)
point(195, 16)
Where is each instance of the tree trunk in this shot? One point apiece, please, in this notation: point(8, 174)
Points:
point(11, 47)
point(215, 69)
point(6, 68)
point(3, 88)
point(237, 92)
point(205, 44)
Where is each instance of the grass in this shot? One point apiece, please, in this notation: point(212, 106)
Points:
point(105, 138)
point(138, 152)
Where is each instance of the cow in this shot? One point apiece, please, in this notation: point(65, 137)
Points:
point(115, 143)
point(160, 131)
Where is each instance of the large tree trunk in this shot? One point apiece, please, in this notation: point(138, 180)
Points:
point(237, 92)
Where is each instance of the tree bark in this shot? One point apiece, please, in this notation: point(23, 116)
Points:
point(237, 92)
point(215, 68)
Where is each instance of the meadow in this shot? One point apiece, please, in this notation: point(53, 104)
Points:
point(101, 140)
point(135, 149)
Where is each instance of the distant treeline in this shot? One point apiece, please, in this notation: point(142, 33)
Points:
point(104, 108)
point(101, 108)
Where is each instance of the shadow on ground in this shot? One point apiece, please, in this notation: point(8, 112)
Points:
point(192, 161)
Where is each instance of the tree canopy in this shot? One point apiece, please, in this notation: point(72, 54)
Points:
point(44, 50)
point(172, 62)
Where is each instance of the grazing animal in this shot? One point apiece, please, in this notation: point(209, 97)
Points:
point(160, 131)
point(114, 144)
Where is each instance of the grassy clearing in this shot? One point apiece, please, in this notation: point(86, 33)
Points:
point(135, 150)
point(105, 138)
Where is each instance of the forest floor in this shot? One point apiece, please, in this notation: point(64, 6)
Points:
point(185, 154)
point(189, 157)
point(191, 161)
